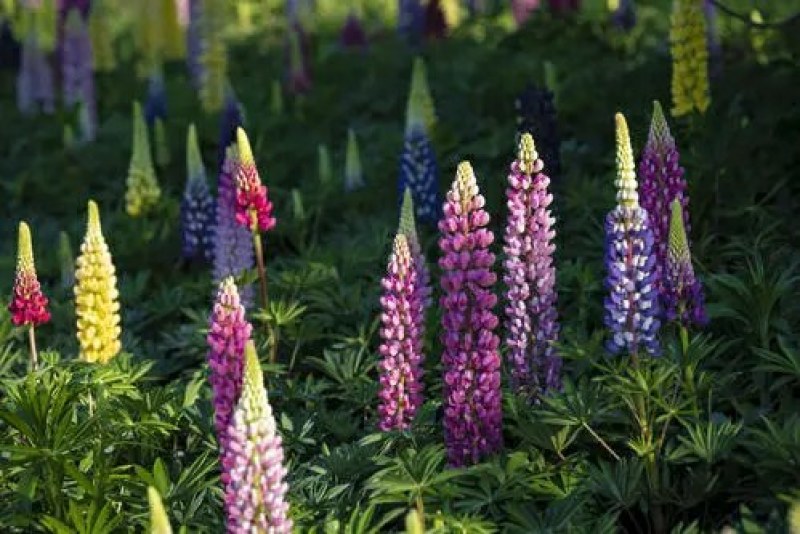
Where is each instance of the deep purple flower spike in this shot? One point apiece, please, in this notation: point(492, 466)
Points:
point(683, 294)
point(471, 360)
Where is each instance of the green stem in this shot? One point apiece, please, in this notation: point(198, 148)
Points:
point(421, 510)
point(600, 440)
point(34, 353)
point(262, 271)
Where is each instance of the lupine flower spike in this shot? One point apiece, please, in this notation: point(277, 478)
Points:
point(662, 181)
point(420, 108)
point(66, 261)
point(531, 315)
point(228, 333)
point(353, 34)
point(143, 191)
point(194, 43)
point(233, 244)
point(471, 360)
point(197, 206)
point(400, 370)
point(96, 296)
point(214, 59)
point(35, 86)
point(408, 227)
point(683, 294)
point(325, 172)
point(536, 115)
point(77, 76)
point(155, 106)
point(298, 71)
point(255, 499)
point(523, 9)
point(631, 307)
point(253, 208)
point(353, 175)
point(103, 56)
point(159, 522)
point(231, 118)
point(410, 20)
point(689, 58)
point(28, 304)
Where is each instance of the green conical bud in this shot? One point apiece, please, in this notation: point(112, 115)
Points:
point(408, 225)
point(195, 170)
point(660, 136)
point(420, 111)
point(679, 253)
point(414, 523)
point(142, 191)
point(159, 522)
point(353, 175)
point(324, 164)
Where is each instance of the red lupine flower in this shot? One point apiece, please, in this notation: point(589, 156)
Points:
point(28, 304)
point(253, 208)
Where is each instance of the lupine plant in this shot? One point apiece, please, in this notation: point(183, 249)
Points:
point(683, 294)
point(197, 205)
point(103, 56)
point(143, 191)
point(529, 274)
point(77, 78)
point(471, 360)
point(687, 37)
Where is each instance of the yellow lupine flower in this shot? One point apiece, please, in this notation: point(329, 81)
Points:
point(96, 296)
point(173, 43)
point(142, 191)
point(102, 43)
point(215, 56)
point(689, 58)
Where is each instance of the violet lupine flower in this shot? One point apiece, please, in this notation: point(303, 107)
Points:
point(662, 181)
point(194, 43)
point(197, 205)
point(78, 73)
point(231, 118)
point(531, 316)
point(233, 244)
point(631, 307)
point(472, 398)
point(435, 21)
point(255, 498)
point(410, 20)
point(353, 34)
point(35, 79)
point(155, 106)
point(682, 292)
point(227, 335)
point(401, 345)
point(523, 9)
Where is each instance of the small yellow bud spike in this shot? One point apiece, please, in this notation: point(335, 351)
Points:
point(245, 152)
point(254, 395)
point(93, 225)
point(408, 226)
point(159, 522)
point(24, 249)
point(465, 185)
point(626, 170)
point(527, 155)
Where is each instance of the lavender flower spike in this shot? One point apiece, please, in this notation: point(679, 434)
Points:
point(233, 244)
point(631, 307)
point(401, 347)
point(531, 315)
point(255, 500)
point(471, 360)
point(683, 294)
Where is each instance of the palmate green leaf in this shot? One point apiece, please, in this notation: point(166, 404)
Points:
point(709, 441)
point(84, 519)
point(620, 484)
point(785, 361)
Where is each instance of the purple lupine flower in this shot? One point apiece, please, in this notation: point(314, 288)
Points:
point(233, 244)
point(624, 17)
point(197, 205)
point(230, 120)
point(536, 115)
point(155, 106)
point(35, 78)
point(522, 10)
point(631, 307)
point(408, 227)
point(255, 498)
point(194, 43)
point(78, 73)
point(400, 391)
point(682, 292)
point(410, 20)
point(531, 316)
point(435, 21)
point(662, 180)
point(227, 334)
point(471, 360)
point(353, 34)
point(712, 37)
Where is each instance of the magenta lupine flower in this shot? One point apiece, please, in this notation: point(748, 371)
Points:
point(631, 306)
point(523, 9)
point(77, 72)
point(408, 227)
point(233, 244)
point(35, 79)
point(531, 315)
point(227, 335)
point(682, 294)
point(472, 399)
point(662, 181)
point(400, 370)
point(253, 207)
point(255, 499)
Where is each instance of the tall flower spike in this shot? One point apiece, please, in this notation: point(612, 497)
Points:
point(228, 333)
point(683, 294)
point(419, 171)
point(96, 296)
point(172, 40)
point(214, 59)
point(28, 304)
point(253, 208)
point(197, 206)
point(662, 181)
point(255, 499)
point(233, 244)
point(143, 191)
point(155, 106)
point(420, 110)
point(159, 522)
point(410, 20)
point(194, 43)
point(531, 315)
point(35, 86)
point(536, 115)
point(230, 120)
point(689, 58)
point(103, 56)
point(297, 58)
point(353, 34)
point(471, 360)
point(631, 307)
point(76, 62)
point(325, 172)
point(400, 390)
point(353, 175)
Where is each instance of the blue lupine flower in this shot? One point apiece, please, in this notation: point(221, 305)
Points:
point(155, 107)
point(631, 307)
point(420, 173)
point(197, 205)
point(410, 20)
point(230, 120)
